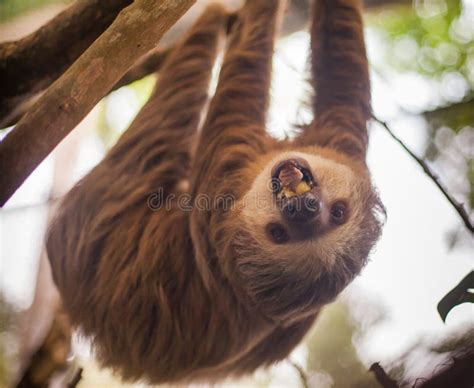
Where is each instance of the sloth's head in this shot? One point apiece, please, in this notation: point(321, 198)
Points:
point(306, 227)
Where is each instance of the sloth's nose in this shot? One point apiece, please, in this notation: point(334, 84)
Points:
point(301, 208)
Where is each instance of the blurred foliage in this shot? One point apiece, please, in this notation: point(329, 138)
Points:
point(451, 129)
point(331, 351)
point(435, 40)
point(456, 116)
point(432, 37)
point(12, 8)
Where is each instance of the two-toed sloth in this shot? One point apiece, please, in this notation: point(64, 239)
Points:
point(175, 295)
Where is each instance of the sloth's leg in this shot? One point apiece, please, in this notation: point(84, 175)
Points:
point(340, 77)
point(159, 141)
point(234, 130)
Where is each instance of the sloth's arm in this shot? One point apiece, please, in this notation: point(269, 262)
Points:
point(340, 77)
point(161, 137)
point(234, 130)
point(101, 221)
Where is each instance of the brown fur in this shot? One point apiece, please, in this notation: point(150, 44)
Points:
point(172, 295)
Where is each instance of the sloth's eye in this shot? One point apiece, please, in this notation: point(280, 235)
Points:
point(339, 212)
point(277, 233)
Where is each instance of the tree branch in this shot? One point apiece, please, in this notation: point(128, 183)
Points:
point(136, 30)
point(29, 65)
point(301, 373)
point(433, 176)
point(150, 63)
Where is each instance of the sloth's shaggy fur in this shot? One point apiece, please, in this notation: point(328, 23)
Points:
point(171, 294)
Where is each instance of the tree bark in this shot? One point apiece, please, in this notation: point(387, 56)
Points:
point(136, 30)
point(150, 63)
point(29, 65)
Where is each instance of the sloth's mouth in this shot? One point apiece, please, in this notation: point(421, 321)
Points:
point(291, 177)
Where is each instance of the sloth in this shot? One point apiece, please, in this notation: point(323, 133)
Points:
point(182, 292)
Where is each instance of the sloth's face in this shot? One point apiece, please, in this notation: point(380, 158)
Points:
point(306, 200)
point(306, 227)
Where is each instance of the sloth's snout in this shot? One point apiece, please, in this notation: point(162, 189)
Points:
point(301, 208)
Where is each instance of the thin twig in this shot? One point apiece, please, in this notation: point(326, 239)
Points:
point(459, 207)
point(382, 377)
point(301, 373)
point(76, 378)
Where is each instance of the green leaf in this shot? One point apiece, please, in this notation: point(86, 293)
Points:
point(462, 293)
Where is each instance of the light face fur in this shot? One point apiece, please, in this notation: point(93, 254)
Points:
point(333, 257)
point(185, 292)
point(338, 182)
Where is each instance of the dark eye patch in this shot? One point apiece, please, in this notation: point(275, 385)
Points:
point(277, 233)
point(339, 212)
